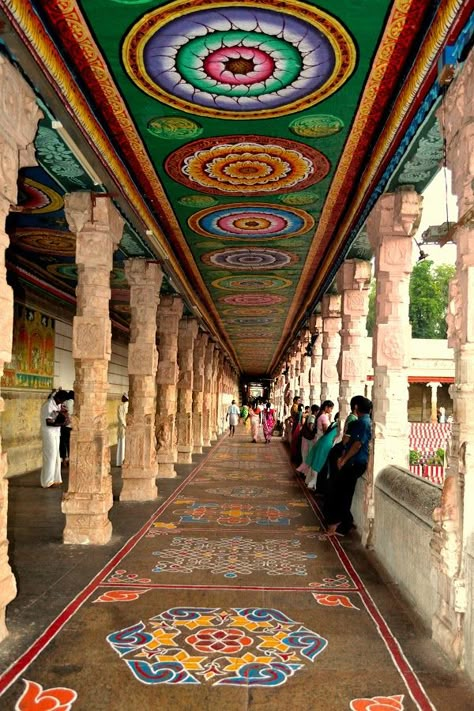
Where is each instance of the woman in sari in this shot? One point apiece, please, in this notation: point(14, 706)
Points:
point(268, 422)
point(319, 453)
point(255, 418)
point(244, 414)
point(295, 435)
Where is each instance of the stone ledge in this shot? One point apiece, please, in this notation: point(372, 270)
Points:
point(416, 495)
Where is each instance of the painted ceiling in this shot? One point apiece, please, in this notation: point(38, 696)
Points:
point(254, 135)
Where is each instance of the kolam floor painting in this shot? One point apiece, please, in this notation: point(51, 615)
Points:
point(229, 597)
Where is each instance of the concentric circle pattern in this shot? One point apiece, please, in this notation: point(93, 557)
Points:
point(251, 282)
point(249, 258)
point(36, 197)
point(249, 221)
point(54, 242)
point(239, 60)
point(257, 166)
point(252, 299)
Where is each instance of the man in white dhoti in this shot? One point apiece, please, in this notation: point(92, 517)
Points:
point(51, 420)
point(122, 426)
point(233, 415)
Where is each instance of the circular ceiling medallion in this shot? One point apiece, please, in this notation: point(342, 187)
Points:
point(55, 242)
point(252, 321)
point(257, 165)
point(197, 201)
point(252, 311)
point(250, 221)
point(239, 60)
point(252, 299)
point(176, 128)
point(251, 282)
point(63, 271)
point(258, 258)
point(37, 198)
point(307, 197)
point(316, 126)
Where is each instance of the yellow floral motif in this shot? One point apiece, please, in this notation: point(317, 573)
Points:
point(188, 662)
point(162, 638)
point(274, 641)
point(158, 524)
point(237, 663)
point(203, 621)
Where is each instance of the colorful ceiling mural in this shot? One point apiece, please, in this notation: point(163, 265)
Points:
point(254, 135)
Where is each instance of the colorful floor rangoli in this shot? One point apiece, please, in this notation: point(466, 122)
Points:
point(235, 514)
point(232, 557)
point(249, 647)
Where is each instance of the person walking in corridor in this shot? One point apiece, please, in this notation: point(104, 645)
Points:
point(122, 411)
point(268, 422)
point(255, 416)
point(233, 414)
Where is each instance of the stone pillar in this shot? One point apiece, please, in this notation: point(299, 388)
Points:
point(214, 395)
point(169, 313)
point(353, 281)
point(98, 227)
point(187, 334)
point(199, 354)
point(434, 400)
point(390, 227)
point(331, 346)
point(453, 537)
point(207, 399)
point(140, 468)
point(19, 116)
point(305, 365)
point(315, 327)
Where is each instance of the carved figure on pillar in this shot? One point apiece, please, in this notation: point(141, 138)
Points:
point(187, 333)
point(331, 345)
point(390, 227)
point(19, 116)
point(169, 313)
point(140, 468)
point(98, 228)
point(353, 281)
point(453, 537)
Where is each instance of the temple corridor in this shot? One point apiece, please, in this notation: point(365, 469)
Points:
point(228, 594)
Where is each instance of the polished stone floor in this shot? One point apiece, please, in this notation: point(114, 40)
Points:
point(224, 593)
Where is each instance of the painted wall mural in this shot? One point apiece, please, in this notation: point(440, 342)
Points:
point(235, 647)
point(32, 364)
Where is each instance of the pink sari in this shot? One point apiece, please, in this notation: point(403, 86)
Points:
point(268, 424)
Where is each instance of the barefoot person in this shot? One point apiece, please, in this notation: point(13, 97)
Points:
point(233, 414)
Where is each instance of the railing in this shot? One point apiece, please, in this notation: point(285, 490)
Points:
point(428, 443)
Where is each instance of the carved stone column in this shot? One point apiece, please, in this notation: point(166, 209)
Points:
point(98, 229)
point(305, 365)
point(453, 537)
point(331, 346)
point(206, 409)
point(169, 313)
point(140, 468)
point(390, 227)
point(315, 327)
point(19, 116)
point(353, 281)
point(187, 334)
point(199, 354)
point(214, 394)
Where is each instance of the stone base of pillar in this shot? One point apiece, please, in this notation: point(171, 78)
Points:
point(166, 470)
point(139, 486)
point(207, 443)
point(197, 449)
point(185, 457)
point(87, 522)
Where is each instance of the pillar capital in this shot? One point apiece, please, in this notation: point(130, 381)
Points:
point(397, 216)
point(455, 118)
point(331, 306)
point(96, 218)
point(140, 272)
point(353, 275)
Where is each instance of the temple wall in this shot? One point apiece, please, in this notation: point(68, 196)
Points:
point(404, 503)
point(20, 419)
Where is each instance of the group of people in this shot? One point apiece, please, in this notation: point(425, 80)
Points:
point(331, 460)
point(259, 413)
point(55, 416)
